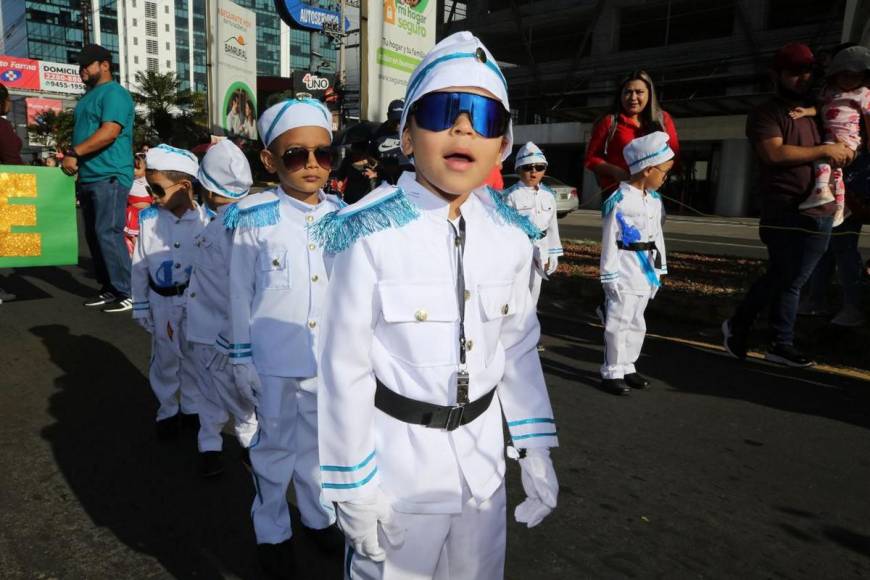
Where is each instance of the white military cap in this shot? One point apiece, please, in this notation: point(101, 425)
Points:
point(225, 170)
point(528, 154)
point(292, 113)
point(460, 60)
point(168, 158)
point(643, 152)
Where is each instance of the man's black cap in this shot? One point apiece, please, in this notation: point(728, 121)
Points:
point(93, 53)
point(394, 111)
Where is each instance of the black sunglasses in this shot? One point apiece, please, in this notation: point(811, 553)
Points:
point(539, 168)
point(296, 158)
point(157, 190)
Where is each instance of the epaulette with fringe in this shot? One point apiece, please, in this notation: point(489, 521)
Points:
point(655, 195)
point(512, 216)
point(610, 203)
point(148, 212)
point(258, 216)
point(338, 230)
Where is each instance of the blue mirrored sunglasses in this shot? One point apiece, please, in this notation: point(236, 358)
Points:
point(439, 111)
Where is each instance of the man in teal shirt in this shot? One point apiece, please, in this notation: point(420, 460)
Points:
point(102, 154)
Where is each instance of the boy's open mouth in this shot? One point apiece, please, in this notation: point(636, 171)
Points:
point(459, 158)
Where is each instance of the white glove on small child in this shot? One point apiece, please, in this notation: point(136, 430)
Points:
point(359, 522)
point(541, 487)
point(653, 292)
point(146, 322)
point(552, 264)
point(247, 382)
point(611, 290)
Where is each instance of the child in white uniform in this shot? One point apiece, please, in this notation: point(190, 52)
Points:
point(537, 202)
point(226, 178)
point(430, 335)
point(278, 288)
point(632, 259)
point(160, 273)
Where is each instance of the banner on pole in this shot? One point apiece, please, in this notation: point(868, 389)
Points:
point(37, 217)
point(400, 33)
point(235, 71)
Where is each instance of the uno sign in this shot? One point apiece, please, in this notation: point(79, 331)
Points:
point(315, 83)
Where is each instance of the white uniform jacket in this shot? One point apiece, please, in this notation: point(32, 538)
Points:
point(208, 296)
point(629, 216)
point(539, 205)
point(393, 313)
point(277, 283)
point(164, 252)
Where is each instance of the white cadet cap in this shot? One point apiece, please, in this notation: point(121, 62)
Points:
point(225, 170)
point(852, 59)
point(528, 154)
point(292, 113)
point(643, 152)
point(460, 60)
point(168, 158)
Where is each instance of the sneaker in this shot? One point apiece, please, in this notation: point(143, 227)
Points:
point(100, 299)
point(211, 464)
point(819, 197)
point(734, 342)
point(849, 316)
point(278, 561)
point(119, 305)
point(169, 428)
point(329, 540)
point(839, 216)
point(788, 355)
point(6, 296)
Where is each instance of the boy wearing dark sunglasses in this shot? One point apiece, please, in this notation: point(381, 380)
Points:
point(161, 270)
point(632, 259)
point(537, 202)
point(429, 337)
point(278, 287)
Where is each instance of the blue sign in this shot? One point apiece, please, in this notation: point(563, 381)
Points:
point(298, 14)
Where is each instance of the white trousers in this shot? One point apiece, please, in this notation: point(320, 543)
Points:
point(467, 546)
point(535, 285)
point(172, 370)
point(220, 400)
point(624, 331)
point(285, 448)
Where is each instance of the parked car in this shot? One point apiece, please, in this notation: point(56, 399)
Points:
point(567, 198)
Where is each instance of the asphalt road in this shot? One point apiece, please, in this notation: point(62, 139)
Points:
point(705, 235)
point(723, 470)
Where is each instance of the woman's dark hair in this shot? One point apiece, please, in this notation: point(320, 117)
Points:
point(651, 116)
point(4, 93)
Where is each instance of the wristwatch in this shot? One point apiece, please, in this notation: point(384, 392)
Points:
point(71, 153)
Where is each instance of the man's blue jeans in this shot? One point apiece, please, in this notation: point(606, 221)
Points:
point(104, 208)
point(844, 254)
point(795, 244)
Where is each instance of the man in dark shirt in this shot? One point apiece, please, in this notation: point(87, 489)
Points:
point(795, 242)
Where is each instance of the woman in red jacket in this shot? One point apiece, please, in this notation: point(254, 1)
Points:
point(10, 142)
point(635, 113)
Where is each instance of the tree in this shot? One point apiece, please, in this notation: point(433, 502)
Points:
point(53, 128)
point(163, 100)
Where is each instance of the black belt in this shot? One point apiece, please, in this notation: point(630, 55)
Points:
point(428, 414)
point(176, 290)
point(643, 247)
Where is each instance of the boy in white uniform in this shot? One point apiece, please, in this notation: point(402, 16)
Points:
point(278, 288)
point(160, 273)
point(226, 177)
point(429, 336)
point(537, 202)
point(632, 259)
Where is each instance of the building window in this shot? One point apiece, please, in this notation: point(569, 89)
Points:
point(135, 22)
point(152, 65)
point(167, 28)
point(151, 46)
point(166, 8)
point(151, 27)
point(135, 41)
point(150, 10)
point(167, 46)
point(135, 60)
point(168, 65)
point(675, 22)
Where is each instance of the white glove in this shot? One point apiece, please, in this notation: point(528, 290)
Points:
point(359, 522)
point(611, 290)
point(247, 382)
point(552, 264)
point(540, 485)
point(146, 322)
point(653, 292)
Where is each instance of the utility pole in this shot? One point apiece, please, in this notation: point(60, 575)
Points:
point(342, 40)
point(86, 22)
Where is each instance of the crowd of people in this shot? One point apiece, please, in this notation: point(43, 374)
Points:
point(354, 341)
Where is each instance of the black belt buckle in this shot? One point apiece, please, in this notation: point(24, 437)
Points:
point(454, 417)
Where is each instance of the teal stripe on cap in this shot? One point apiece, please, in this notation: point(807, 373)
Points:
point(290, 102)
point(415, 82)
point(219, 187)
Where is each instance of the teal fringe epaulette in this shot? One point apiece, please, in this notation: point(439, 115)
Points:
point(610, 203)
point(512, 216)
point(210, 212)
point(337, 231)
point(655, 195)
point(148, 213)
point(258, 216)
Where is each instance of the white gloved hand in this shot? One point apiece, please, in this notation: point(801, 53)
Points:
point(541, 487)
point(611, 290)
point(359, 522)
point(552, 264)
point(247, 382)
point(653, 292)
point(146, 322)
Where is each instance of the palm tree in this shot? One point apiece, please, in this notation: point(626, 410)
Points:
point(53, 128)
point(163, 100)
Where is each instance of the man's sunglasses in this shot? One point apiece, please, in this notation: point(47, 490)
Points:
point(439, 111)
point(155, 190)
point(536, 168)
point(296, 158)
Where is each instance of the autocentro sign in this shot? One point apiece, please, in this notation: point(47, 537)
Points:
point(299, 14)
